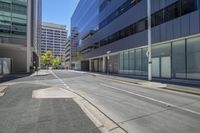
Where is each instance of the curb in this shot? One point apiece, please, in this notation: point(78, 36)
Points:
point(2, 90)
point(100, 119)
point(181, 90)
point(162, 86)
point(103, 122)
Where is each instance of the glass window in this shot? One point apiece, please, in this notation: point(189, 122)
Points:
point(103, 5)
point(193, 58)
point(19, 21)
point(4, 28)
point(138, 61)
point(121, 58)
point(144, 61)
point(131, 61)
point(19, 9)
point(161, 50)
point(126, 62)
point(5, 19)
point(188, 6)
point(5, 13)
point(178, 59)
point(172, 12)
point(141, 26)
point(158, 18)
point(5, 6)
point(19, 16)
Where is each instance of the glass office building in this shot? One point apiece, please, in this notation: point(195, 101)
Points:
point(13, 19)
point(84, 23)
point(20, 22)
point(120, 44)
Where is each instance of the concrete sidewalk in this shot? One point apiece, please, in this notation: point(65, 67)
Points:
point(154, 84)
point(41, 73)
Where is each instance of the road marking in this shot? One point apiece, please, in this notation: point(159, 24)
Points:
point(152, 99)
point(146, 97)
point(65, 85)
point(89, 114)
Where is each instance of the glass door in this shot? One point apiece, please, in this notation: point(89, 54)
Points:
point(156, 67)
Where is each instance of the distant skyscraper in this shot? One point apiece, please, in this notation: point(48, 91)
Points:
point(54, 37)
point(20, 25)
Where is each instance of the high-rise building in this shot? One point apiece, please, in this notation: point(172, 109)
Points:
point(53, 38)
point(84, 23)
point(68, 53)
point(20, 25)
point(120, 43)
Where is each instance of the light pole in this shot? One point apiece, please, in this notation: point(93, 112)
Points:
point(108, 57)
point(149, 40)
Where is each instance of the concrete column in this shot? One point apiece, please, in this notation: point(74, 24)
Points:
point(90, 65)
point(29, 37)
point(104, 64)
point(99, 64)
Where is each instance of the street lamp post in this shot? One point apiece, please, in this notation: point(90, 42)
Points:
point(149, 40)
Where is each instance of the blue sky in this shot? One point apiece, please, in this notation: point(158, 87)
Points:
point(58, 11)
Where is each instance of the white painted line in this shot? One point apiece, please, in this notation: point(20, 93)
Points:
point(153, 99)
point(65, 85)
point(99, 122)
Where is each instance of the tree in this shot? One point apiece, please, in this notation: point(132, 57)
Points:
point(56, 62)
point(47, 59)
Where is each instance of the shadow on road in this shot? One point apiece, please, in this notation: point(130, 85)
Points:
point(11, 77)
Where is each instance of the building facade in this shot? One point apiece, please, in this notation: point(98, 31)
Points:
point(120, 44)
point(20, 27)
point(68, 54)
point(53, 38)
point(84, 23)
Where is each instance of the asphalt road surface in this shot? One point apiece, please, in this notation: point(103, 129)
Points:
point(20, 113)
point(134, 108)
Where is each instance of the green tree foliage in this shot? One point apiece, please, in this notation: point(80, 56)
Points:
point(48, 60)
point(56, 62)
